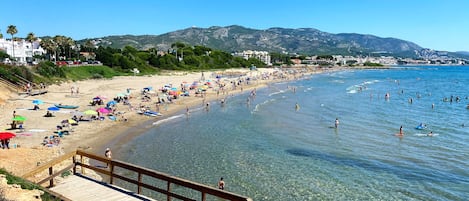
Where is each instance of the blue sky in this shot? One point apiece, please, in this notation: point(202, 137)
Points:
point(434, 24)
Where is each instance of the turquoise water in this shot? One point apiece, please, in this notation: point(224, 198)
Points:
point(269, 151)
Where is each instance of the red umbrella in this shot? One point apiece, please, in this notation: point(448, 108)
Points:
point(6, 135)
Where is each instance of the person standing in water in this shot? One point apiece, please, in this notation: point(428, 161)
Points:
point(221, 184)
point(297, 106)
point(401, 132)
point(108, 155)
point(336, 122)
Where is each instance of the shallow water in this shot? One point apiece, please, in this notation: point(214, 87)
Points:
point(269, 151)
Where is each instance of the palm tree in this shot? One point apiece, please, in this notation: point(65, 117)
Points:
point(89, 46)
point(31, 38)
point(60, 42)
point(70, 43)
point(12, 31)
point(50, 46)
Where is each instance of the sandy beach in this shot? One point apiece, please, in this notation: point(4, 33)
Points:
point(26, 151)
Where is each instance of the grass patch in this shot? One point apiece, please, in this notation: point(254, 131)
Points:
point(12, 179)
point(90, 72)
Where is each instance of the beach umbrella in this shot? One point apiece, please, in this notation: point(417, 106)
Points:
point(71, 121)
point(6, 135)
point(53, 109)
point(101, 97)
point(103, 110)
point(77, 113)
point(90, 112)
point(111, 103)
point(120, 95)
point(38, 102)
point(19, 118)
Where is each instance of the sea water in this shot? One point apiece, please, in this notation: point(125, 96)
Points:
point(267, 149)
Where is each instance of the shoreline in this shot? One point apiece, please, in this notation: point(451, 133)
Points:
point(125, 135)
point(97, 135)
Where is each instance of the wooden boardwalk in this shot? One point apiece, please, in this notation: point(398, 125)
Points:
point(82, 188)
point(79, 187)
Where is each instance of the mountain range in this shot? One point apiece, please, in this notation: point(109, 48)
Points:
point(308, 41)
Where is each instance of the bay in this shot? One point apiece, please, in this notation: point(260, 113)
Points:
point(267, 149)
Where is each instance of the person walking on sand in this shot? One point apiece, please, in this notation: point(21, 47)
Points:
point(221, 184)
point(108, 155)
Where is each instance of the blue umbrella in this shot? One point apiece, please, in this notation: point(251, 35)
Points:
point(53, 109)
point(38, 102)
point(111, 103)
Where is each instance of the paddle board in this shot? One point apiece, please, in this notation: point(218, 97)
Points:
point(37, 130)
point(426, 135)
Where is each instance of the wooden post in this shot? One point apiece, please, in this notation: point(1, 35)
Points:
point(75, 165)
point(82, 162)
point(139, 188)
point(51, 181)
point(203, 196)
point(111, 179)
point(168, 188)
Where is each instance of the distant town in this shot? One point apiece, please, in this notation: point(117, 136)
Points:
point(23, 52)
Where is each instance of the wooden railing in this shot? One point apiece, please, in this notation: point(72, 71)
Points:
point(10, 84)
point(204, 190)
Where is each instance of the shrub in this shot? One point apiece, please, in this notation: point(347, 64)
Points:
point(49, 69)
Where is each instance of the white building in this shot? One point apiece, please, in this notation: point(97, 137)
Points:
point(24, 50)
point(261, 55)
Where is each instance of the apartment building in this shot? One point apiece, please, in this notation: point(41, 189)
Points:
point(23, 50)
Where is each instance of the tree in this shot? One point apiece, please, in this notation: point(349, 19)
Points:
point(50, 46)
point(61, 42)
point(31, 38)
point(69, 43)
point(1, 35)
point(12, 31)
point(89, 46)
